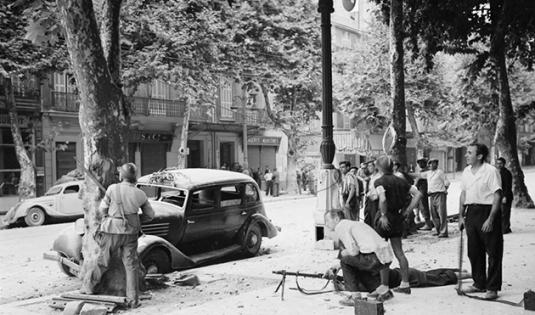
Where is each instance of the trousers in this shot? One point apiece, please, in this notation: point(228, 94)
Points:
point(481, 244)
point(438, 210)
point(370, 212)
point(361, 272)
point(126, 246)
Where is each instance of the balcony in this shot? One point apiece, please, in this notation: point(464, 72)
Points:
point(65, 102)
point(27, 93)
point(157, 107)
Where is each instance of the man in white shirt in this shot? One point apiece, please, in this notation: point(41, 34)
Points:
point(481, 195)
point(363, 255)
point(437, 190)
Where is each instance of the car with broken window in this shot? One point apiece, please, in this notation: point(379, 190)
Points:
point(200, 215)
point(61, 201)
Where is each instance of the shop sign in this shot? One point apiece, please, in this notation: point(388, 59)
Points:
point(24, 121)
point(145, 137)
point(260, 140)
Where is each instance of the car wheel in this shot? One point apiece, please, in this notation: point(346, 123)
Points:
point(66, 269)
point(157, 261)
point(252, 241)
point(35, 216)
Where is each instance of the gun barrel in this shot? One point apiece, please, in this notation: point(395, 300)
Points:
point(302, 274)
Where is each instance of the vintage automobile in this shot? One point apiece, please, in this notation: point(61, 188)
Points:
point(200, 215)
point(59, 202)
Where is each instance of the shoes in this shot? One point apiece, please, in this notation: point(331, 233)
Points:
point(436, 234)
point(472, 289)
point(426, 228)
point(491, 295)
point(507, 231)
point(443, 235)
point(405, 290)
point(385, 296)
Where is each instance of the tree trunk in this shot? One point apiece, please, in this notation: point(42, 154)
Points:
point(505, 136)
point(27, 171)
point(291, 176)
point(397, 81)
point(182, 151)
point(104, 123)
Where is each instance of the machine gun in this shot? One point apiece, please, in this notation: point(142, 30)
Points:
point(336, 279)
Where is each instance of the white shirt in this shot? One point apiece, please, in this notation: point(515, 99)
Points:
point(481, 186)
point(436, 181)
point(358, 237)
point(268, 176)
point(372, 192)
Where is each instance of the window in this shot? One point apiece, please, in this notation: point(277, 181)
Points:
point(226, 99)
point(231, 196)
point(203, 199)
point(62, 82)
point(71, 189)
point(251, 194)
point(173, 196)
point(54, 190)
point(65, 158)
point(160, 91)
point(150, 191)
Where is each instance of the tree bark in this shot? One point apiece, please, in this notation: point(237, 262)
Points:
point(505, 137)
point(104, 124)
point(109, 35)
point(27, 170)
point(291, 157)
point(182, 156)
point(397, 81)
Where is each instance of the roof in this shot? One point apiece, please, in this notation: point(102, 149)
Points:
point(193, 177)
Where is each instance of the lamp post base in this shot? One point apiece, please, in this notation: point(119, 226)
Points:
point(328, 199)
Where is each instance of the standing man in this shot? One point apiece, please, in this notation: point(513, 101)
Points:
point(437, 190)
point(394, 205)
point(268, 177)
point(276, 181)
point(479, 207)
point(423, 206)
point(507, 189)
point(120, 228)
point(372, 199)
point(349, 192)
point(298, 180)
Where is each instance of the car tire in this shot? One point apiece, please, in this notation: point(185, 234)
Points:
point(64, 268)
point(252, 240)
point(156, 261)
point(35, 216)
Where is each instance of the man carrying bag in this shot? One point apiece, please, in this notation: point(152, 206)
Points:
point(120, 227)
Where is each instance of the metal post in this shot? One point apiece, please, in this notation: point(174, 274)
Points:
point(327, 189)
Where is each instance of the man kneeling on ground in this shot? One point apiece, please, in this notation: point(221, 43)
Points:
point(363, 255)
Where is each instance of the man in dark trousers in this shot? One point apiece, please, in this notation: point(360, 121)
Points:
point(394, 204)
point(480, 202)
point(423, 206)
point(349, 192)
point(507, 189)
point(120, 228)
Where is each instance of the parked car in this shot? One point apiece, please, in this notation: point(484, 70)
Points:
point(200, 215)
point(60, 201)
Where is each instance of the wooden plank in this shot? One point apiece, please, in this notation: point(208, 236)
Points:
point(98, 298)
point(60, 303)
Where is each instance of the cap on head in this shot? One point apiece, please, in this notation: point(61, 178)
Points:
point(128, 172)
point(433, 161)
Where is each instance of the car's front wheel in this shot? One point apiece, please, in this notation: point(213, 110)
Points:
point(157, 261)
point(36, 216)
point(252, 240)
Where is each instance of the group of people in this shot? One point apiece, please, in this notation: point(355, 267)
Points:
point(390, 195)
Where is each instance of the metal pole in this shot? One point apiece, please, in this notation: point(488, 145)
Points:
point(327, 147)
point(327, 189)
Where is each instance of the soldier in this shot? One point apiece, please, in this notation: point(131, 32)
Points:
point(121, 225)
point(349, 192)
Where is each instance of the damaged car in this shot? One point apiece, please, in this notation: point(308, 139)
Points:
point(200, 215)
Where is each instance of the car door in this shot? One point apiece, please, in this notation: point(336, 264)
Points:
point(233, 208)
point(69, 203)
point(204, 223)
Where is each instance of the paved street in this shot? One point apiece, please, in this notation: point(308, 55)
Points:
point(246, 286)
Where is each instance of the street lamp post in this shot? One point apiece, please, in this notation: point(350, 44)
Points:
point(327, 189)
